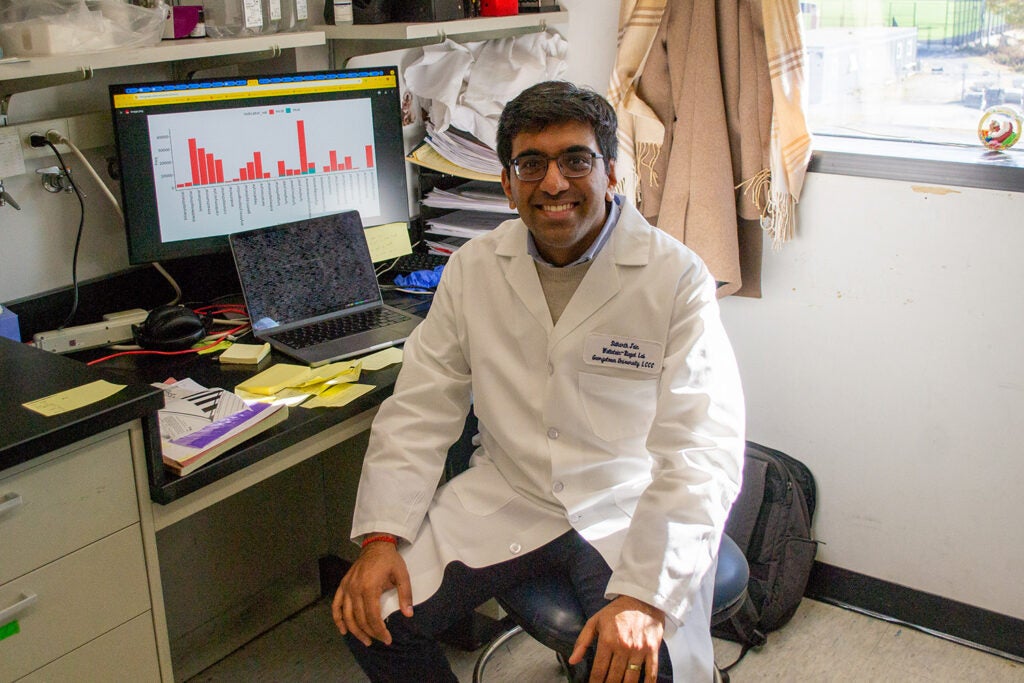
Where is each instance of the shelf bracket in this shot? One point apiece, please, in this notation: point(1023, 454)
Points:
point(13, 86)
point(187, 68)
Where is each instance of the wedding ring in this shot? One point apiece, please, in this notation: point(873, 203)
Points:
point(633, 667)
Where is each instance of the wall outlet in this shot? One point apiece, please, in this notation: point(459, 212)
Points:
point(86, 131)
point(25, 131)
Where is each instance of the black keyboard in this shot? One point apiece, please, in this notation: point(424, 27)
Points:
point(338, 328)
point(410, 263)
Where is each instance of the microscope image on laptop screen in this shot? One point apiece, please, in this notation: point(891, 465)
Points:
point(300, 271)
point(201, 159)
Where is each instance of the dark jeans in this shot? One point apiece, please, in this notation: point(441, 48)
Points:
point(414, 654)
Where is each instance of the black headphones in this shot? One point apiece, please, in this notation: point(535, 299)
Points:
point(170, 328)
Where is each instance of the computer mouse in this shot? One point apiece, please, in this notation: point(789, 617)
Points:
point(170, 328)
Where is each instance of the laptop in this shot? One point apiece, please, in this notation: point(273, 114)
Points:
point(311, 290)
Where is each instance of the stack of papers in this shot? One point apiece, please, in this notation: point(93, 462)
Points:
point(466, 223)
point(332, 385)
point(428, 157)
point(463, 149)
point(475, 195)
point(198, 424)
point(445, 245)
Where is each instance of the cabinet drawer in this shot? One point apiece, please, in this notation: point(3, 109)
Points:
point(65, 503)
point(85, 594)
point(125, 655)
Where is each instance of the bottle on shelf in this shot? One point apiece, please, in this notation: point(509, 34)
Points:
point(271, 15)
point(294, 15)
point(231, 18)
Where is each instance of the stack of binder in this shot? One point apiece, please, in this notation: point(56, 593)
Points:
point(467, 200)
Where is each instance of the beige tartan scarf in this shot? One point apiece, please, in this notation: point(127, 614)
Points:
point(640, 132)
point(776, 189)
point(790, 147)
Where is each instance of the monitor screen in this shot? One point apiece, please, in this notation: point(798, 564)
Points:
point(204, 158)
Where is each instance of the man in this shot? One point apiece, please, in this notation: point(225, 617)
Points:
point(611, 424)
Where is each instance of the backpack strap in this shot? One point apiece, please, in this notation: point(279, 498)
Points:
point(744, 623)
point(744, 512)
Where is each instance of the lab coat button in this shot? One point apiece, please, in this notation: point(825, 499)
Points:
point(515, 548)
point(552, 433)
point(557, 488)
point(575, 518)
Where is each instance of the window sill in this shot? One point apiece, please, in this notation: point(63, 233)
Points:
point(962, 166)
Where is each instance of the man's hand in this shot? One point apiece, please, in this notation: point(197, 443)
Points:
point(356, 606)
point(628, 633)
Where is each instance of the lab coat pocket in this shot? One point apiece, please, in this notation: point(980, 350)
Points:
point(617, 407)
point(482, 490)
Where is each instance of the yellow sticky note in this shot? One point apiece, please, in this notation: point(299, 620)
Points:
point(342, 371)
point(388, 241)
point(73, 399)
point(245, 354)
point(382, 359)
point(275, 378)
point(338, 395)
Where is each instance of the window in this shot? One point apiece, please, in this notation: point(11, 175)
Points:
point(904, 84)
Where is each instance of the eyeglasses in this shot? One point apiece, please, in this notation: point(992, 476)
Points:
point(533, 167)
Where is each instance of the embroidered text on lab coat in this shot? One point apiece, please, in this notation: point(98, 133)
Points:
point(623, 352)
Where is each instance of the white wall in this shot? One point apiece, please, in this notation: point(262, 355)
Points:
point(36, 243)
point(885, 353)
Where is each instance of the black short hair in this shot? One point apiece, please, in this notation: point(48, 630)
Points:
point(555, 102)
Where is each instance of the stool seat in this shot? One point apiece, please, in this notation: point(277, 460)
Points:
point(547, 608)
point(730, 581)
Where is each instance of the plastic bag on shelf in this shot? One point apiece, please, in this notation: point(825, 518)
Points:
point(35, 28)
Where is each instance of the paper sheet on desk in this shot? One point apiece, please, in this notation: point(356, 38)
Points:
point(382, 359)
point(72, 399)
point(293, 384)
point(337, 396)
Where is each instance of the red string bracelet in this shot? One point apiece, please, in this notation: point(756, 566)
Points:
point(387, 538)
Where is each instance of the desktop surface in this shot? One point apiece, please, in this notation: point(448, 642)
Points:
point(302, 423)
point(28, 374)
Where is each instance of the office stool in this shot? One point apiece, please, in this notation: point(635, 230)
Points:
point(548, 610)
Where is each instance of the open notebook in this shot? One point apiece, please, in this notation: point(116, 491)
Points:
point(311, 289)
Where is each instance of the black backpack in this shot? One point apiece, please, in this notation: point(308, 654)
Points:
point(771, 523)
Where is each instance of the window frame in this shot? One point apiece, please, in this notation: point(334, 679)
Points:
point(922, 162)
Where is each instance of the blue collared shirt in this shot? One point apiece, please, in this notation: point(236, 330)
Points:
point(595, 247)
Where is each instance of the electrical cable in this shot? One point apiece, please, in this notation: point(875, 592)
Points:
point(78, 238)
point(220, 336)
point(380, 271)
point(55, 136)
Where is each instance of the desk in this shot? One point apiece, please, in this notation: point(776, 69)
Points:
point(77, 540)
point(208, 595)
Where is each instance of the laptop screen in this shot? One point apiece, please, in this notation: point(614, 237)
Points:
point(306, 270)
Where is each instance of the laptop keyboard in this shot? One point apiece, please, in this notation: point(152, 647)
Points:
point(418, 261)
point(338, 328)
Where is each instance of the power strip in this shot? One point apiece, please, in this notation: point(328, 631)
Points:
point(116, 328)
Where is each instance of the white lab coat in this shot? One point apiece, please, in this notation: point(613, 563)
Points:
point(625, 421)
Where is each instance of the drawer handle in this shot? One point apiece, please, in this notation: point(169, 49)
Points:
point(8, 614)
point(10, 501)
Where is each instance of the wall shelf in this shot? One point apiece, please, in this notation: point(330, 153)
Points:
point(166, 51)
point(349, 40)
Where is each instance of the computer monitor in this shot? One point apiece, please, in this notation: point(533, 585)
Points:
point(204, 158)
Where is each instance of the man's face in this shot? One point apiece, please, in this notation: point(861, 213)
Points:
point(564, 215)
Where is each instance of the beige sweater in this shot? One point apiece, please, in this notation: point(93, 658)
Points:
point(559, 284)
